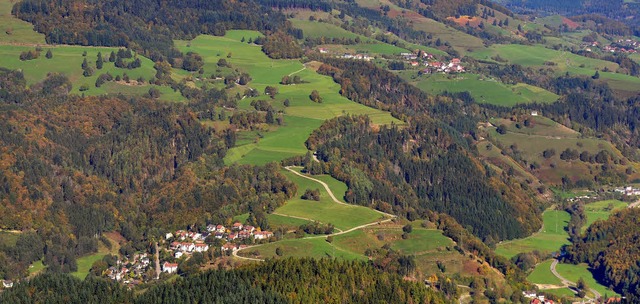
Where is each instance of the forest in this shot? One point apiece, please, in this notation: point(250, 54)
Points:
point(610, 247)
point(75, 167)
point(275, 281)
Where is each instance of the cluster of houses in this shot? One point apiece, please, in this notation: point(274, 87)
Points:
point(356, 57)
point(130, 271)
point(453, 66)
point(186, 243)
point(535, 298)
point(431, 65)
point(626, 46)
point(628, 191)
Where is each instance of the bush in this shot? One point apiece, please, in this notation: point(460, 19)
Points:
point(311, 195)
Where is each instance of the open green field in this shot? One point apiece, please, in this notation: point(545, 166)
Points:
point(601, 211)
point(484, 90)
point(542, 274)
point(575, 272)
point(550, 239)
point(539, 126)
point(560, 292)
point(343, 217)
point(14, 30)
point(302, 116)
point(36, 267)
point(316, 247)
point(537, 56)
point(315, 29)
point(421, 241)
point(635, 57)
point(68, 60)
point(85, 263)
point(275, 221)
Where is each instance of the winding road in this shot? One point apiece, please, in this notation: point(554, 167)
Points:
point(568, 283)
point(333, 197)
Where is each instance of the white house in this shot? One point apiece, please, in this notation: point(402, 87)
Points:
point(169, 267)
point(178, 254)
point(7, 284)
point(168, 235)
point(201, 247)
point(261, 235)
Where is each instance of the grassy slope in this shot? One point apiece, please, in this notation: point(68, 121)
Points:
point(484, 90)
point(68, 60)
point(575, 272)
point(326, 211)
point(302, 117)
point(20, 31)
point(550, 239)
point(313, 247)
point(542, 274)
point(600, 211)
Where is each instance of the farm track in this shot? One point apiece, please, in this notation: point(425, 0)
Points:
point(333, 197)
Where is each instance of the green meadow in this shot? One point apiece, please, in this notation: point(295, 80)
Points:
point(542, 274)
point(419, 242)
point(8, 238)
point(539, 126)
point(67, 60)
point(315, 29)
point(549, 239)
point(301, 117)
point(601, 210)
point(14, 30)
point(326, 211)
point(483, 90)
point(574, 272)
point(316, 247)
point(537, 56)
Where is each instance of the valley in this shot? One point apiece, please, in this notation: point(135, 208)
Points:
point(465, 152)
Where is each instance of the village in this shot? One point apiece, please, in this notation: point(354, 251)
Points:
point(621, 46)
point(418, 59)
point(180, 246)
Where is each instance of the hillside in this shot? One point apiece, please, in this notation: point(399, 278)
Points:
point(165, 145)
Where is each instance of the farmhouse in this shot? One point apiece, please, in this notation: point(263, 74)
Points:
point(169, 267)
point(7, 284)
point(261, 235)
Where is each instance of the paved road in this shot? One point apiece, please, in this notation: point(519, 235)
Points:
point(333, 197)
point(569, 283)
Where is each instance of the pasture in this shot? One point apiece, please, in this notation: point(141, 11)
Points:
point(68, 60)
point(549, 239)
point(316, 247)
point(538, 126)
point(315, 29)
point(326, 211)
point(420, 241)
point(483, 90)
point(601, 210)
point(14, 30)
point(575, 272)
point(542, 274)
point(538, 55)
point(301, 117)
point(8, 238)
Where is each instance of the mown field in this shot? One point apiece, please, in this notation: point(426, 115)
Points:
point(316, 247)
point(326, 211)
point(575, 272)
point(301, 117)
point(542, 274)
point(483, 90)
point(549, 239)
point(85, 262)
